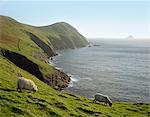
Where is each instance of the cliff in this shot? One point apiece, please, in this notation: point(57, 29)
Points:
point(29, 47)
point(25, 49)
point(49, 38)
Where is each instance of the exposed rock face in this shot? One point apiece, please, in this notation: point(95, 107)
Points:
point(47, 49)
point(50, 38)
point(64, 34)
point(25, 41)
point(40, 56)
point(58, 80)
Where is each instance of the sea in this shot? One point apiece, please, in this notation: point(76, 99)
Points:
point(119, 68)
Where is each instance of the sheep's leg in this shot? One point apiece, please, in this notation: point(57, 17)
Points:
point(19, 89)
point(94, 101)
point(104, 103)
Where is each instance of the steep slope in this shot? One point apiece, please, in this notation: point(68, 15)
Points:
point(14, 36)
point(65, 35)
point(48, 102)
point(25, 49)
point(36, 44)
point(57, 36)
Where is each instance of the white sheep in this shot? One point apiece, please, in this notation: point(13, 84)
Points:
point(102, 98)
point(23, 83)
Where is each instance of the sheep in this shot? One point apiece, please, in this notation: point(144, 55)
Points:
point(102, 98)
point(23, 83)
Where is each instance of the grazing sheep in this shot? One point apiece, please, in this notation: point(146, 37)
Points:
point(102, 98)
point(24, 83)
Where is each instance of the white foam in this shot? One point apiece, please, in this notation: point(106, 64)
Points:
point(59, 54)
point(70, 84)
point(51, 63)
point(74, 79)
point(59, 68)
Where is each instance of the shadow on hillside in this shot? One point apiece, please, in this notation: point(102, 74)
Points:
point(23, 63)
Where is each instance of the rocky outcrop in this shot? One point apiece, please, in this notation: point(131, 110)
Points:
point(19, 42)
point(58, 80)
point(47, 49)
point(49, 38)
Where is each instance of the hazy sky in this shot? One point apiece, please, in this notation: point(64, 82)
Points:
point(91, 18)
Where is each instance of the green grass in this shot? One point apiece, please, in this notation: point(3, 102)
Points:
point(47, 101)
point(14, 38)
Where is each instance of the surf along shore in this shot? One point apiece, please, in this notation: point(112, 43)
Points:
point(66, 77)
point(59, 79)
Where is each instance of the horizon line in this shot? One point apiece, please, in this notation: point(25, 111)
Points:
point(116, 38)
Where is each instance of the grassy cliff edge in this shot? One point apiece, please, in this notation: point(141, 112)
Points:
point(26, 45)
point(25, 49)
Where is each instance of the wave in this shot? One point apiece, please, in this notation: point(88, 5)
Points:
point(59, 55)
point(59, 68)
point(51, 63)
point(73, 80)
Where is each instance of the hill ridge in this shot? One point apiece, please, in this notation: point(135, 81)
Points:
point(57, 36)
point(26, 50)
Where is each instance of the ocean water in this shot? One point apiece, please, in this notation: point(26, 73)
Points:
point(117, 68)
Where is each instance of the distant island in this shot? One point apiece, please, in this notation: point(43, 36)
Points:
point(26, 50)
point(130, 37)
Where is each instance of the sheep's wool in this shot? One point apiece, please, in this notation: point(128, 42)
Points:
point(24, 83)
point(102, 98)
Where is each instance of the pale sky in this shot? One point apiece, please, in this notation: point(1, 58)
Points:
point(99, 18)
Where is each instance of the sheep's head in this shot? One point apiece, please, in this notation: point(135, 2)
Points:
point(110, 104)
point(35, 89)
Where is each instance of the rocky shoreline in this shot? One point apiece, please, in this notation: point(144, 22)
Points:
point(58, 80)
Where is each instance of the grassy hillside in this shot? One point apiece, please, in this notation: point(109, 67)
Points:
point(60, 33)
point(49, 102)
point(56, 36)
point(36, 44)
point(25, 49)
